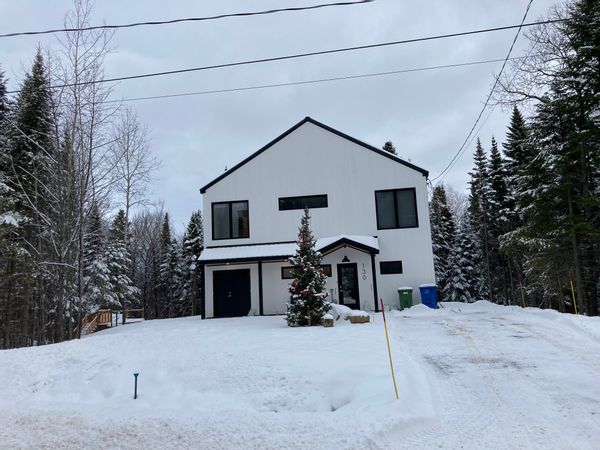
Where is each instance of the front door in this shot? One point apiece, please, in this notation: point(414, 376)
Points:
point(348, 285)
point(231, 292)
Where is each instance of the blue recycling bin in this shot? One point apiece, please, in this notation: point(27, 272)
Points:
point(429, 295)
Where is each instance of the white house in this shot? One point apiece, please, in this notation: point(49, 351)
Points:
point(369, 214)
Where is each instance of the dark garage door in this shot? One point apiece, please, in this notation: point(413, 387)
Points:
point(231, 292)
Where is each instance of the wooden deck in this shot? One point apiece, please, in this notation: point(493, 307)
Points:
point(103, 319)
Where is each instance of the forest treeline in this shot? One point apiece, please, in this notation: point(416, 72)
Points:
point(77, 231)
point(530, 232)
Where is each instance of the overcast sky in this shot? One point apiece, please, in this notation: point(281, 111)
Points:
point(426, 114)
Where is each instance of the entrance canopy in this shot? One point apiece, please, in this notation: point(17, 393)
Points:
point(283, 250)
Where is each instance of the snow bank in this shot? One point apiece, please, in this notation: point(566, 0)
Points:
point(256, 383)
point(245, 383)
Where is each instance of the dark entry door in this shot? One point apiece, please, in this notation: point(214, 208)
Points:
point(231, 292)
point(348, 285)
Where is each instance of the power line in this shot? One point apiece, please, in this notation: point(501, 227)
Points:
point(320, 80)
point(463, 147)
point(298, 55)
point(187, 19)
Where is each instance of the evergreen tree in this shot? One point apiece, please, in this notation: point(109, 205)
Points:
point(166, 297)
point(499, 223)
point(9, 218)
point(518, 154)
point(443, 235)
point(122, 290)
point(28, 176)
point(479, 210)
point(389, 147)
point(32, 141)
point(464, 281)
point(193, 241)
point(97, 276)
point(307, 303)
point(560, 201)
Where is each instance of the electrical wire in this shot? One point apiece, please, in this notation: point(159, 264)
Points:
point(298, 55)
point(320, 80)
point(187, 19)
point(463, 147)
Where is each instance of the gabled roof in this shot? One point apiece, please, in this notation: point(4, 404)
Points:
point(325, 127)
point(367, 244)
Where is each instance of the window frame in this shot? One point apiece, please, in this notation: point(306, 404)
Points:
point(387, 271)
point(229, 203)
point(302, 197)
point(396, 216)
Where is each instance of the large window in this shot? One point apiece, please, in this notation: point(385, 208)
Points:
point(306, 201)
point(230, 220)
point(396, 208)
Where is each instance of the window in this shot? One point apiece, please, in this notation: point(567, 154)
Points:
point(306, 201)
point(287, 273)
point(396, 208)
point(230, 220)
point(390, 267)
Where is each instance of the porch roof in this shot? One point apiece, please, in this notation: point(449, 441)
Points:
point(283, 250)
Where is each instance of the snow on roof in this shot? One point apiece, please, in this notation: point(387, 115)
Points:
point(283, 250)
point(249, 251)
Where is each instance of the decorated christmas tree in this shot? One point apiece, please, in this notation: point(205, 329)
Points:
point(307, 303)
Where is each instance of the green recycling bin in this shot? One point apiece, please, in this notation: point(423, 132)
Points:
point(405, 297)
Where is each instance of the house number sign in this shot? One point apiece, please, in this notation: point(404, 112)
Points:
point(364, 272)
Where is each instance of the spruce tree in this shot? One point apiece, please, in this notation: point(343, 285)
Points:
point(97, 275)
point(173, 278)
point(122, 290)
point(518, 154)
point(479, 210)
point(307, 290)
point(443, 235)
point(193, 241)
point(9, 218)
point(389, 147)
point(464, 280)
point(165, 292)
point(499, 223)
point(32, 141)
point(559, 189)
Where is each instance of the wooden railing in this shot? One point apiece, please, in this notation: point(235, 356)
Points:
point(98, 320)
point(103, 319)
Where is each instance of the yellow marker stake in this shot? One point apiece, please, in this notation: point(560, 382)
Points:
point(573, 294)
point(387, 339)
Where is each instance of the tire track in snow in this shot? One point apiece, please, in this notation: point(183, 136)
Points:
point(530, 384)
point(460, 409)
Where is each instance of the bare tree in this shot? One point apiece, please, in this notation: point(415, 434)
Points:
point(531, 77)
point(132, 162)
point(86, 119)
point(133, 165)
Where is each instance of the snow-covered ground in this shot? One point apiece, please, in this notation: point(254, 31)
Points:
point(469, 376)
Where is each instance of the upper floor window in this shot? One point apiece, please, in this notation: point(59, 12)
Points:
point(305, 201)
point(396, 208)
point(230, 220)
